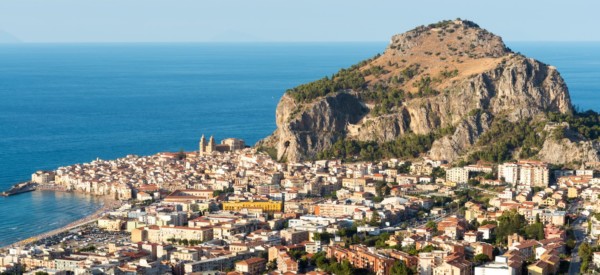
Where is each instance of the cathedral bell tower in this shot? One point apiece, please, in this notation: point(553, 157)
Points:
point(211, 147)
point(202, 145)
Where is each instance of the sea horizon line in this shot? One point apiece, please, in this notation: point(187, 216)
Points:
point(260, 42)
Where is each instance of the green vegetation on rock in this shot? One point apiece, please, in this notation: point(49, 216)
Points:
point(585, 123)
point(345, 79)
point(504, 137)
point(409, 145)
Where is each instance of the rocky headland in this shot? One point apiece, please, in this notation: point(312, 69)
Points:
point(450, 91)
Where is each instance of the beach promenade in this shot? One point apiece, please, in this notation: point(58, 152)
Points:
point(107, 206)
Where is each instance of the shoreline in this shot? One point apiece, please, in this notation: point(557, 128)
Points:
point(108, 204)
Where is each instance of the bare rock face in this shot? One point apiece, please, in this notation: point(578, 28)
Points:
point(566, 151)
point(524, 87)
point(452, 147)
point(314, 128)
point(475, 78)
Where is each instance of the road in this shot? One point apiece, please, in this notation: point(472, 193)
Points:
point(413, 223)
point(490, 192)
point(579, 231)
point(436, 219)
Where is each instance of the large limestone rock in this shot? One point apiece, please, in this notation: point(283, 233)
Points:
point(567, 151)
point(316, 127)
point(471, 69)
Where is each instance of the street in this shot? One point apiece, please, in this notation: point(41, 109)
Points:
point(579, 232)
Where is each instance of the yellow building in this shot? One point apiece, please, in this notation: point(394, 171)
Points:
point(111, 225)
point(265, 206)
point(139, 235)
point(550, 201)
point(572, 193)
point(450, 183)
point(164, 233)
point(471, 214)
point(355, 182)
point(538, 268)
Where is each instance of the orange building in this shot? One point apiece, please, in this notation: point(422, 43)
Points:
point(361, 257)
point(409, 260)
point(189, 195)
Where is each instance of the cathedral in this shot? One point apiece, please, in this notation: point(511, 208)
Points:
point(229, 144)
point(207, 148)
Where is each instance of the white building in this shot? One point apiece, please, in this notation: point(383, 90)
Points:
point(43, 177)
point(509, 172)
point(596, 259)
point(507, 194)
point(457, 175)
point(525, 173)
point(498, 267)
point(534, 174)
point(477, 168)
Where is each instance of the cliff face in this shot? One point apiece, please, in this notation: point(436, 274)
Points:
point(451, 74)
point(565, 151)
point(317, 127)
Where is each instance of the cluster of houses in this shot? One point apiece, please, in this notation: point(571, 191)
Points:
point(240, 212)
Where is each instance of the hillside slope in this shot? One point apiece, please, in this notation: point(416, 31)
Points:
point(442, 86)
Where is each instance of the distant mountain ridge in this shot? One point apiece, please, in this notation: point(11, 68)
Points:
point(436, 91)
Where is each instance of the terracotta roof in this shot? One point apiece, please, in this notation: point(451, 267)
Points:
point(487, 226)
point(527, 244)
point(253, 260)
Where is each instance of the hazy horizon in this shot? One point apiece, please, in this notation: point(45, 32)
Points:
point(189, 21)
point(258, 42)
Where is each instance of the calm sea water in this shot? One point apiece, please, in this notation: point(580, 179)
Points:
point(64, 104)
point(578, 63)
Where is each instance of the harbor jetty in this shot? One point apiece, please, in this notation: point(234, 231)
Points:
point(19, 188)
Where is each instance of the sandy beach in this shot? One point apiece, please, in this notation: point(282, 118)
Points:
point(108, 205)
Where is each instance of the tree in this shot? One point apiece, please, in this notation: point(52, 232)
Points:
point(585, 265)
point(89, 248)
point(428, 248)
point(347, 231)
point(400, 268)
point(345, 268)
point(302, 264)
point(481, 258)
point(405, 168)
point(217, 193)
point(382, 189)
point(320, 260)
point(509, 222)
point(489, 176)
point(410, 249)
point(585, 252)
point(473, 225)
point(323, 237)
point(297, 254)
point(438, 173)
point(181, 154)
point(375, 220)
point(381, 239)
point(535, 231)
point(473, 182)
point(431, 225)
point(263, 254)
point(272, 265)
point(570, 245)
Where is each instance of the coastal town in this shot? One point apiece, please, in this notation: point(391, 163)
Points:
point(231, 209)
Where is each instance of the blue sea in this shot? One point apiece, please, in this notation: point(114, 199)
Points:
point(70, 103)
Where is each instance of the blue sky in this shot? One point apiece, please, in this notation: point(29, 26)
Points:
point(286, 21)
